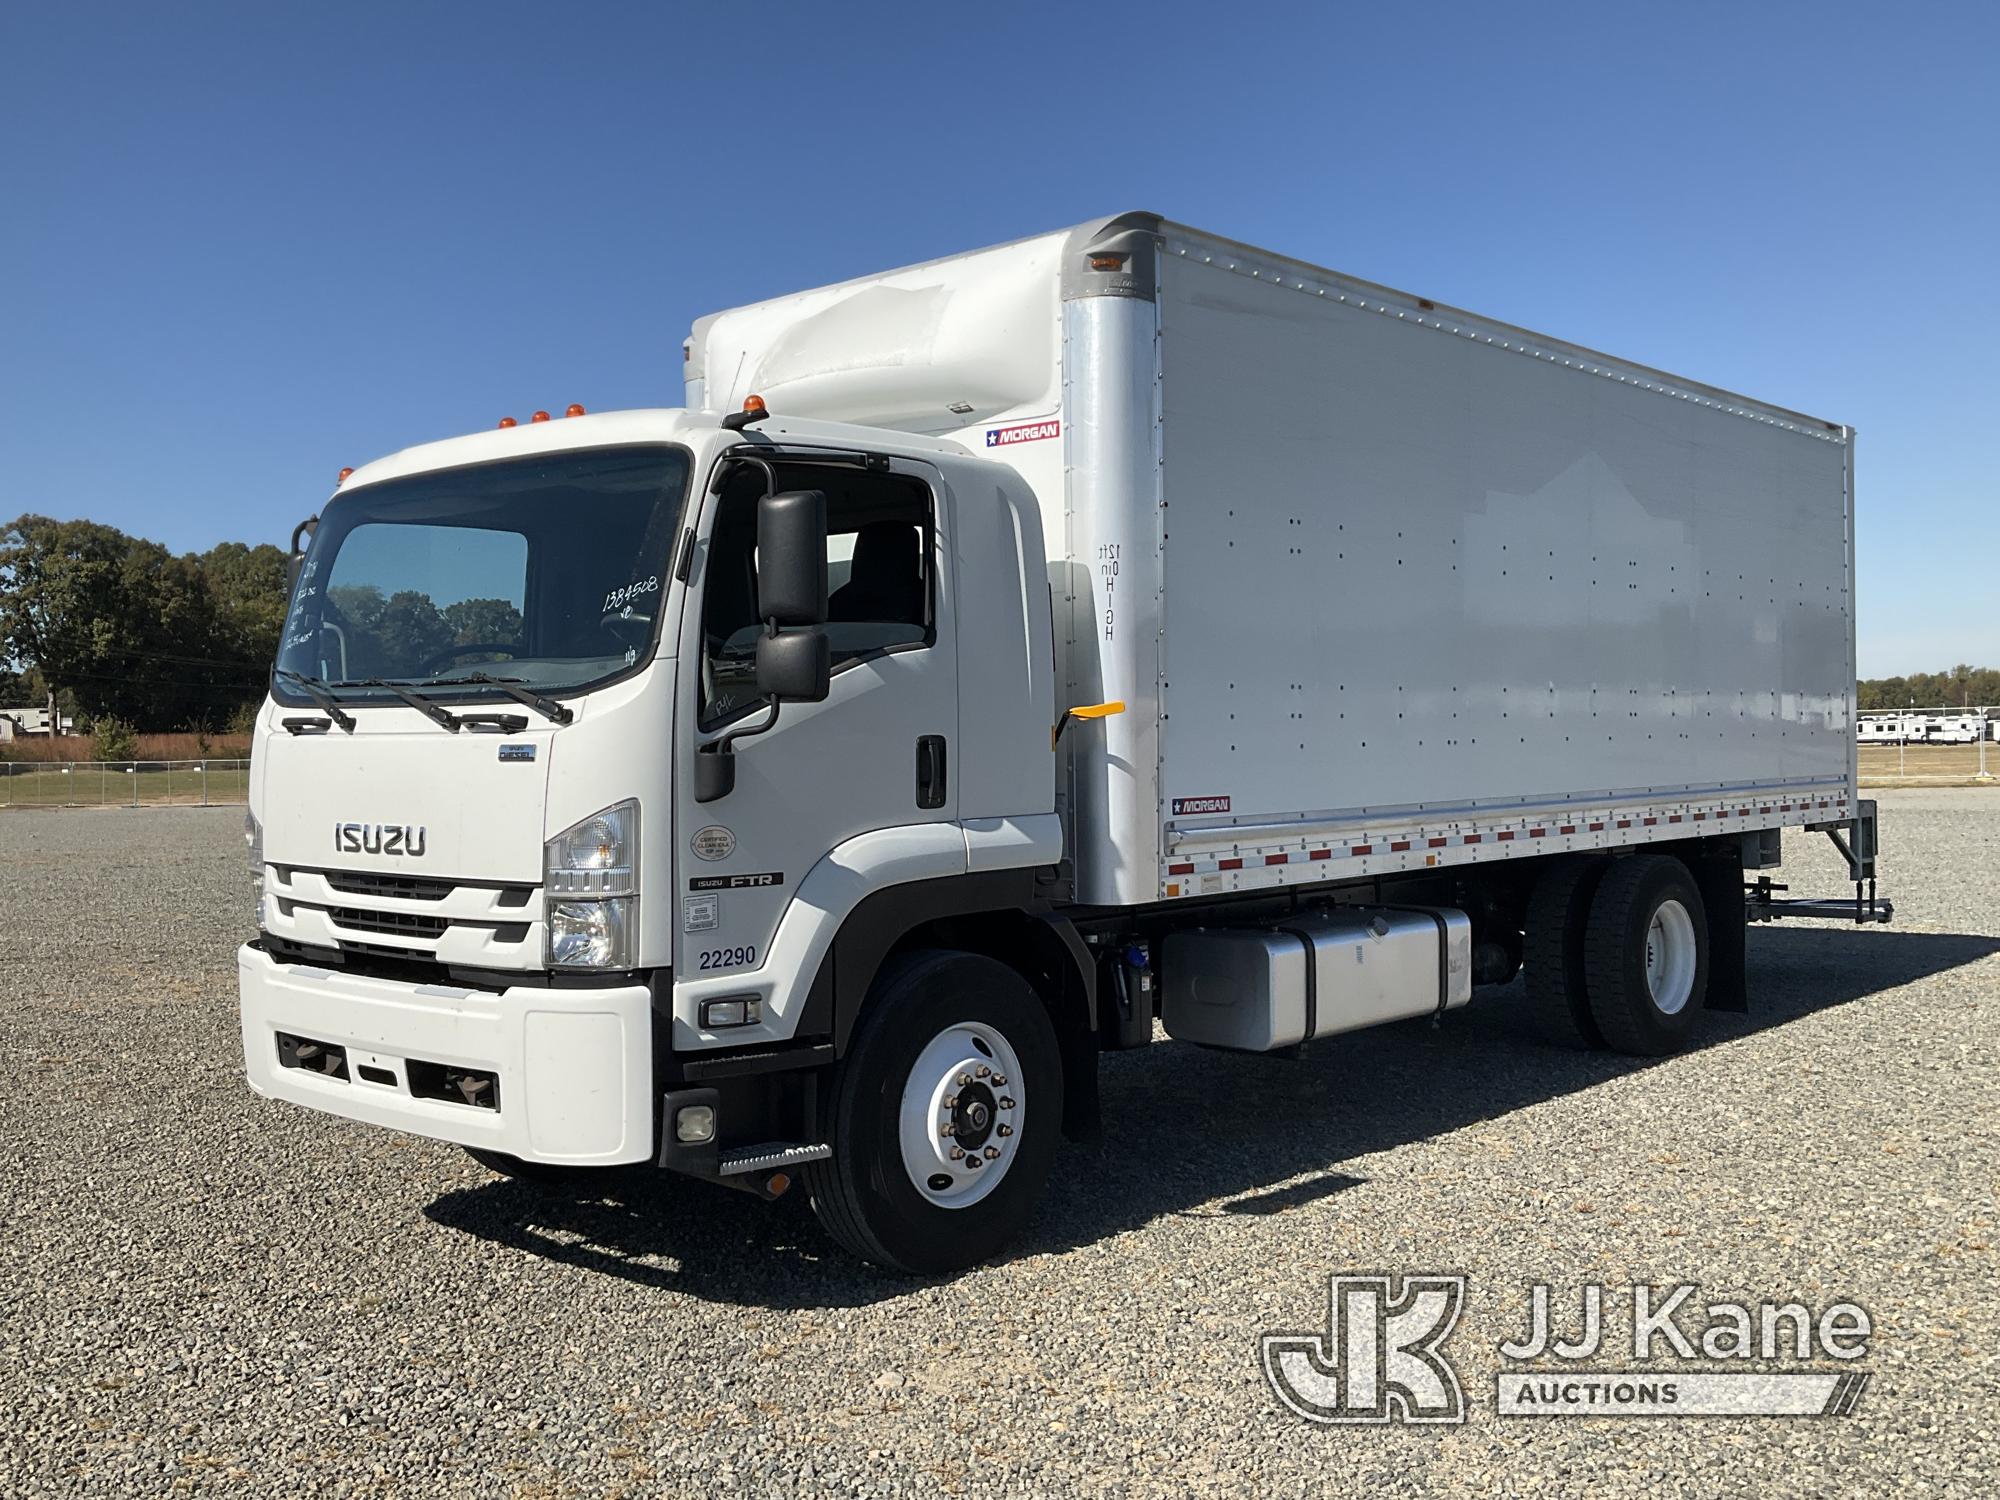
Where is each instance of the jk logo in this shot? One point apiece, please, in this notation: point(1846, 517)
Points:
point(1378, 1360)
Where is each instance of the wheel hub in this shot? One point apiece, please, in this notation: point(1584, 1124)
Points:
point(961, 1112)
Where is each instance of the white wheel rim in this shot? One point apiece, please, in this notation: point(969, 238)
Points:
point(960, 1121)
point(1670, 958)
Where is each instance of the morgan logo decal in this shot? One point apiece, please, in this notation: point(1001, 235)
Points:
point(380, 838)
point(1023, 432)
point(1185, 807)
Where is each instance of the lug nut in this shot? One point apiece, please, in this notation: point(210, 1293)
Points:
point(957, 1152)
point(993, 1153)
point(984, 1071)
point(947, 1131)
point(972, 1161)
point(1006, 1103)
point(965, 1080)
point(1006, 1130)
point(951, 1101)
point(999, 1080)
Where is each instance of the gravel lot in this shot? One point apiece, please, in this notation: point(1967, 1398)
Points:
point(208, 1292)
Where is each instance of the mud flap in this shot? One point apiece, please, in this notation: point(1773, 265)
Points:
point(1718, 875)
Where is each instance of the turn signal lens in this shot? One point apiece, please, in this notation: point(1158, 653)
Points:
point(1107, 262)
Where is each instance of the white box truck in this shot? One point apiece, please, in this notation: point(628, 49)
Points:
point(995, 657)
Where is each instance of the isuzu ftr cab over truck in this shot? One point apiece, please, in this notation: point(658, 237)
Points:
point(996, 657)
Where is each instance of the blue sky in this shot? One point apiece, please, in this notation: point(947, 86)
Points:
point(244, 245)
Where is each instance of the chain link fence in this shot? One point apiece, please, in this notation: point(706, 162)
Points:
point(124, 783)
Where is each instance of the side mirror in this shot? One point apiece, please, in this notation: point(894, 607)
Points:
point(791, 558)
point(794, 665)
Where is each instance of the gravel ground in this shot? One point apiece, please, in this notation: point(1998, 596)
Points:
point(208, 1292)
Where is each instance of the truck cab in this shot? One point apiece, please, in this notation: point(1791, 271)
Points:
point(540, 838)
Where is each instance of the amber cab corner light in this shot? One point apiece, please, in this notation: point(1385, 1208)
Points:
point(1107, 262)
point(343, 476)
point(754, 410)
point(540, 416)
point(506, 422)
point(575, 410)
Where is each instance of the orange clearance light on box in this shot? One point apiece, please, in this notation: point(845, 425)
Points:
point(540, 416)
point(343, 476)
point(506, 421)
point(575, 409)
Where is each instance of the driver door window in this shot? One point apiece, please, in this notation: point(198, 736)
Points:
point(881, 542)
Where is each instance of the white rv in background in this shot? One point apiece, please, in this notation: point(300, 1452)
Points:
point(994, 657)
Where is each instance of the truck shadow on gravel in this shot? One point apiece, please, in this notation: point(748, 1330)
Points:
point(1188, 1133)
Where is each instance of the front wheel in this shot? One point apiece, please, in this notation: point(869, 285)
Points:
point(944, 1115)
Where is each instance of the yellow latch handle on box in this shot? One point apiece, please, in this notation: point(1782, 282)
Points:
point(1087, 711)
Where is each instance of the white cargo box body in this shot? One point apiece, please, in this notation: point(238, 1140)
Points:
point(1383, 585)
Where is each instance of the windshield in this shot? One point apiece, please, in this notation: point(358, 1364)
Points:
point(547, 572)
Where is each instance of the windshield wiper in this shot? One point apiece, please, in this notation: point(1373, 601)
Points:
point(418, 701)
point(511, 686)
point(316, 690)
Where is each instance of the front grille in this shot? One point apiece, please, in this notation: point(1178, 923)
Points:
point(393, 887)
point(394, 923)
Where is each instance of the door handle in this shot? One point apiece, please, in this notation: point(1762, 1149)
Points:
point(930, 771)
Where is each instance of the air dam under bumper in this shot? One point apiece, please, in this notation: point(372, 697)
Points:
point(572, 1067)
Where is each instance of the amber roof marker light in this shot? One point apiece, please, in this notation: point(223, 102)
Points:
point(506, 422)
point(343, 476)
point(754, 410)
point(576, 410)
point(540, 416)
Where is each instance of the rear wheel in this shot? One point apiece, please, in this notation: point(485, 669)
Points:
point(1558, 921)
point(1646, 955)
point(944, 1115)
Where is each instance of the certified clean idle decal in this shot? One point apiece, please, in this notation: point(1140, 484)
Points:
point(713, 842)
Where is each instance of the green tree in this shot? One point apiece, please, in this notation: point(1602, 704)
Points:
point(483, 621)
point(122, 624)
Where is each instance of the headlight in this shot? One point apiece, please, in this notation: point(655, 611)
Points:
point(253, 836)
point(591, 934)
point(590, 887)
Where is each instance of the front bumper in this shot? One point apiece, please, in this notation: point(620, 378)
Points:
point(573, 1067)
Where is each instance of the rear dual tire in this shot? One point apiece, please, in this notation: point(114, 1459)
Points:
point(1618, 954)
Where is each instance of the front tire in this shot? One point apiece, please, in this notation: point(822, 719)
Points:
point(944, 1115)
point(1646, 955)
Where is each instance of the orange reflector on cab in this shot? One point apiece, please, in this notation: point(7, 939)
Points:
point(506, 421)
point(540, 416)
point(575, 409)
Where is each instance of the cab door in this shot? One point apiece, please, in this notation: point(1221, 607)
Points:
point(877, 753)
